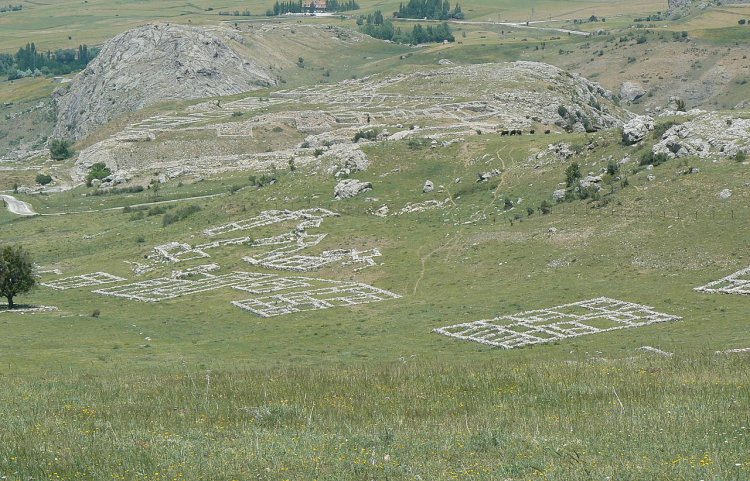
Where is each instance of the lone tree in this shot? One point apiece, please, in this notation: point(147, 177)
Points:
point(16, 273)
point(60, 149)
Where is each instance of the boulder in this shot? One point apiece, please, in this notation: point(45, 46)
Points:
point(382, 211)
point(591, 180)
point(485, 176)
point(349, 188)
point(631, 91)
point(558, 195)
point(725, 194)
point(428, 186)
point(637, 129)
point(674, 103)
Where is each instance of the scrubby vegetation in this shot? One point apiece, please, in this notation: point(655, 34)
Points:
point(97, 171)
point(60, 149)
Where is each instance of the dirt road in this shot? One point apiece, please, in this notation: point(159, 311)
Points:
point(16, 206)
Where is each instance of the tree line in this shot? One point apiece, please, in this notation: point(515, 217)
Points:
point(28, 61)
point(11, 8)
point(375, 25)
point(429, 9)
point(291, 6)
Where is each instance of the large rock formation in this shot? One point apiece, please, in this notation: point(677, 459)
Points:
point(675, 5)
point(637, 129)
point(711, 135)
point(150, 64)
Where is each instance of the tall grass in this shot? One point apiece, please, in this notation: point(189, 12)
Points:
point(645, 418)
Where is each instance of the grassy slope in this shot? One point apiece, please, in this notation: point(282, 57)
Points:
point(411, 419)
point(475, 271)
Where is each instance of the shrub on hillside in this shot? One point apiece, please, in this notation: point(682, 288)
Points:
point(60, 149)
point(97, 171)
point(650, 158)
point(179, 214)
point(43, 179)
point(366, 134)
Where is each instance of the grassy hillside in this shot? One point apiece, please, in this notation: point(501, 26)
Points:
point(414, 418)
point(193, 387)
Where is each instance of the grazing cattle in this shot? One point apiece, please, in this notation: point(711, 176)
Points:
point(547, 131)
point(532, 131)
point(504, 132)
point(512, 132)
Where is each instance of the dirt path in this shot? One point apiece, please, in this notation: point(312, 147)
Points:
point(446, 245)
point(145, 204)
point(16, 206)
point(522, 25)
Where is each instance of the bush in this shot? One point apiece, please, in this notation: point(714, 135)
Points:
point(545, 207)
point(156, 210)
point(43, 179)
point(179, 214)
point(60, 149)
point(650, 158)
point(119, 190)
point(365, 134)
point(740, 156)
point(416, 144)
point(562, 111)
point(97, 171)
point(613, 167)
point(572, 174)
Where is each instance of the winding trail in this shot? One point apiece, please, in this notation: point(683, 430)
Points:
point(17, 207)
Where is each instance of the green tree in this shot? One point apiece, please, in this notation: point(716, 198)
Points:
point(16, 273)
point(97, 171)
point(60, 149)
point(43, 179)
point(572, 174)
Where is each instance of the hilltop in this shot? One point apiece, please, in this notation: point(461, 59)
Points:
point(152, 64)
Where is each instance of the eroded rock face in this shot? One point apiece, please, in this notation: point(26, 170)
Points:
point(631, 91)
point(637, 129)
point(706, 136)
point(150, 64)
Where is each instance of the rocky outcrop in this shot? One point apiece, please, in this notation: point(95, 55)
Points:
point(345, 159)
point(677, 5)
point(349, 188)
point(709, 135)
point(150, 64)
point(428, 187)
point(631, 91)
point(637, 129)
